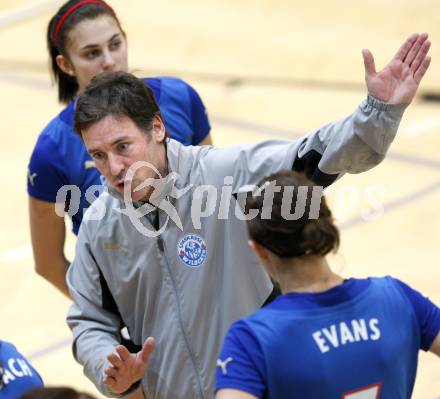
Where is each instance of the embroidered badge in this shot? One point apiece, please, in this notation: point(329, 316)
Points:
point(191, 250)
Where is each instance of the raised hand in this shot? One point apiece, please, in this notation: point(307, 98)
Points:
point(127, 368)
point(398, 81)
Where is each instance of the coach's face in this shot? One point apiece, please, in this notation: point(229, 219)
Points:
point(117, 143)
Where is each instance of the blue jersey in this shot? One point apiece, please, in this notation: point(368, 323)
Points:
point(16, 374)
point(60, 157)
point(358, 340)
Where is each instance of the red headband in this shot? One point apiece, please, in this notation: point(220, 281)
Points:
point(71, 10)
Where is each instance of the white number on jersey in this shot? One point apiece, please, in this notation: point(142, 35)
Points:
point(369, 392)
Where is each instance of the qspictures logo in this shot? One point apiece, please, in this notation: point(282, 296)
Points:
point(201, 202)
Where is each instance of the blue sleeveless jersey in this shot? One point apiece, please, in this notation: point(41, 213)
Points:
point(17, 375)
point(359, 340)
point(60, 158)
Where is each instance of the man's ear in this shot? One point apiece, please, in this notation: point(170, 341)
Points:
point(158, 132)
point(65, 65)
point(259, 250)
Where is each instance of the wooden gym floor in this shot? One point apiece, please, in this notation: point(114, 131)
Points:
point(265, 69)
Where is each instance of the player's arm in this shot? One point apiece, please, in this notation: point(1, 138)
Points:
point(428, 318)
point(435, 347)
point(47, 173)
point(48, 234)
point(233, 394)
point(241, 372)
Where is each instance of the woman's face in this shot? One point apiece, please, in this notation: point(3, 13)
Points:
point(94, 46)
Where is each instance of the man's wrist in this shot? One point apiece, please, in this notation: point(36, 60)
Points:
point(132, 389)
point(383, 105)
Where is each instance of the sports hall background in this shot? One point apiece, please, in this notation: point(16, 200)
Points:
point(265, 69)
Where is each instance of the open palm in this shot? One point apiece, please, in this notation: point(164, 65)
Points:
point(127, 368)
point(398, 81)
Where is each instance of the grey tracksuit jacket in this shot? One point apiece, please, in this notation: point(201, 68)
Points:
point(188, 302)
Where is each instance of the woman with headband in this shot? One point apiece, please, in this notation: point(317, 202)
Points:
point(85, 38)
point(326, 336)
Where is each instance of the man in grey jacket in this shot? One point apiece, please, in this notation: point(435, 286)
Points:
point(164, 250)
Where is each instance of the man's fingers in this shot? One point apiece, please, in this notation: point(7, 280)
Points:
point(123, 352)
point(420, 56)
point(114, 360)
point(422, 69)
point(406, 47)
point(147, 349)
point(370, 68)
point(415, 48)
point(111, 372)
point(109, 381)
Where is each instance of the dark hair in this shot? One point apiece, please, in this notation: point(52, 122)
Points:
point(55, 393)
point(297, 235)
point(117, 94)
point(68, 85)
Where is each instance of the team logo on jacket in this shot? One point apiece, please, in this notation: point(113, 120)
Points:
point(191, 250)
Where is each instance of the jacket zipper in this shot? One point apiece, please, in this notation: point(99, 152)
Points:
point(179, 313)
